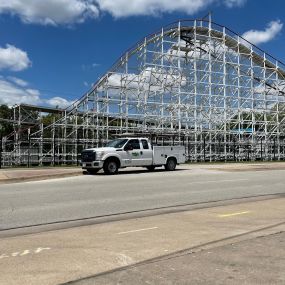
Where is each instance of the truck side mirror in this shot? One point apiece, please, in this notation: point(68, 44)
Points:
point(128, 147)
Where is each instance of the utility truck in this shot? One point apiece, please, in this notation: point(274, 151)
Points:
point(131, 152)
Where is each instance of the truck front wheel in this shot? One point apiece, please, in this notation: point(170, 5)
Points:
point(150, 168)
point(110, 167)
point(93, 171)
point(170, 164)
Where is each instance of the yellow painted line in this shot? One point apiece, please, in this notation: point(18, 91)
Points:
point(218, 181)
point(139, 230)
point(233, 214)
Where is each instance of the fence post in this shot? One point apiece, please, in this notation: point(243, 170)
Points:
point(54, 145)
point(1, 140)
point(274, 157)
point(29, 147)
point(234, 150)
point(204, 148)
point(219, 148)
point(77, 160)
point(188, 145)
point(261, 149)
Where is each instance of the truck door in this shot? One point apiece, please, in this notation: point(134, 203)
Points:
point(126, 157)
point(146, 153)
point(135, 153)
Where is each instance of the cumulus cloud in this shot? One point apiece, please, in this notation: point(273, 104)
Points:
point(13, 58)
point(234, 3)
point(58, 102)
point(50, 12)
point(12, 94)
point(258, 37)
point(150, 79)
point(58, 12)
point(18, 81)
point(124, 8)
point(15, 91)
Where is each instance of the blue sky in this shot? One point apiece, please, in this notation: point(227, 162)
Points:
point(51, 53)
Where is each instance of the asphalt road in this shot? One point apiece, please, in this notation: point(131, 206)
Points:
point(31, 203)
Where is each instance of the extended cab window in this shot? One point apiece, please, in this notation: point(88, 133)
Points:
point(118, 143)
point(134, 143)
point(145, 144)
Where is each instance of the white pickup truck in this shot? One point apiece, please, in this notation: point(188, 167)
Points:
point(130, 152)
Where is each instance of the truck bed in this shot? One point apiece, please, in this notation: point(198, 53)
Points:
point(160, 153)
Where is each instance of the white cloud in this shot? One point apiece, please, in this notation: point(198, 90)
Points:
point(182, 51)
point(58, 102)
point(13, 58)
point(50, 12)
point(234, 3)
point(89, 67)
point(14, 93)
point(18, 81)
point(62, 12)
point(124, 8)
point(258, 37)
point(150, 79)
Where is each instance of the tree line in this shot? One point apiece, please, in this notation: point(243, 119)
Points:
point(7, 114)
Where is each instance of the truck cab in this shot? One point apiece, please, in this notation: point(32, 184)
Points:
point(130, 152)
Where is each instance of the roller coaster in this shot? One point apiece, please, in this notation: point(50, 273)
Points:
point(193, 82)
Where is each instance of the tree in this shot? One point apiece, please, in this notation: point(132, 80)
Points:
point(50, 118)
point(6, 114)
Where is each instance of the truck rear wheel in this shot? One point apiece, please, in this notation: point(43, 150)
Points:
point(170, 164)
point(110, 167)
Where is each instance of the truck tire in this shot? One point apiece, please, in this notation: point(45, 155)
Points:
point(170, 164)
point(110, 167)
point(150, 168)
point(93, 171)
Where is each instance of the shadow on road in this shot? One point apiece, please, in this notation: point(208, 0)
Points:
point(128, 172)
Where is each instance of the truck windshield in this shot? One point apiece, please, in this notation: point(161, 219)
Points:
point(118, 143)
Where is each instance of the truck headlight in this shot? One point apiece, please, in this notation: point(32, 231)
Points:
point(99, 155)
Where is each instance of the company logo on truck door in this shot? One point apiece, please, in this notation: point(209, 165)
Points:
point(135, 154)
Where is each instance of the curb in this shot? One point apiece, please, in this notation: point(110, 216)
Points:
point(38, 178)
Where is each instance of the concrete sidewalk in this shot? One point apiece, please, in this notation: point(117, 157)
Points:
point(13, 175)
point(239, 166)
point(255, 261)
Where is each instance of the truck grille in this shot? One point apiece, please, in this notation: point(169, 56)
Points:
point(88, 156)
